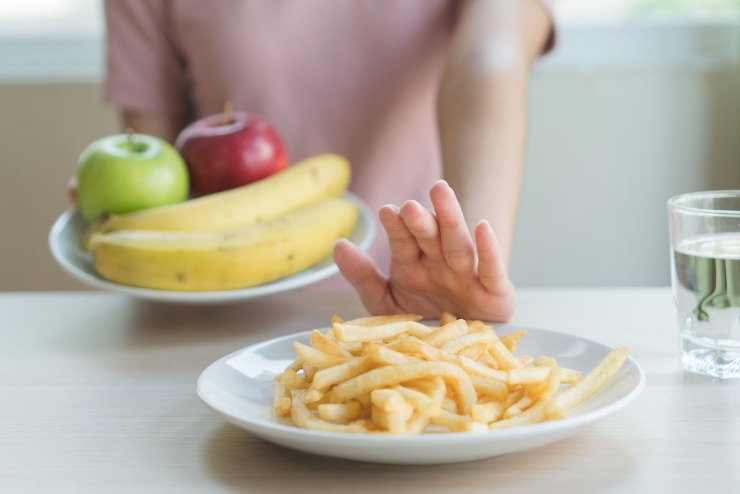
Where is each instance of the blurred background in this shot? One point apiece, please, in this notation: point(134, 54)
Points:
point(640, 101)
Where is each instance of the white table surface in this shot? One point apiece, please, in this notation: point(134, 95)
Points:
point(97, 394)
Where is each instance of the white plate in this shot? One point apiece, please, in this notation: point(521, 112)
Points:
point(239, 387)
point(67, 232)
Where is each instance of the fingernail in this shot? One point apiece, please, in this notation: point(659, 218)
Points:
point(392, 207)
point(412, 203)
point(487, 225)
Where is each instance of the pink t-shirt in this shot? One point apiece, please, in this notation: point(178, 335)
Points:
point(353, 77)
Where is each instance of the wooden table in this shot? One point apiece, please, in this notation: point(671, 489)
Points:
point(97, 394)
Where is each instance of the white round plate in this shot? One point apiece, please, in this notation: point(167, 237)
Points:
point(69, 228)
point(239, 387)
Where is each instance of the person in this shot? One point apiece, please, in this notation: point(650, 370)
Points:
point(427, 99)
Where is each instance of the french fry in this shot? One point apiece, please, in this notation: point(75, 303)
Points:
point(524, 403)
point(594, 380)
point(413, 345)
point(388, 400)
point(457, 423)
point(488, 360)
point(393, 421)
point(552, 385)
point(385, 356)
point(447, 332)
point(480, 327)
point(477, 369)
point(437, 389)
point(545, 361)
point(380, 320)
point(525, 360)
point(291, 379)
point(390, 410)
point(281, 398)
point(309, 371)
point(364, 399)
point(346, 332)
point(416, 424)
point(490, 387)
point(487, 412)
point(347, 370)
point(340, 411)
point(528, 375)
point(461, 342)
point(390, 375)
point(317, 358)
point(446, 318)
point(305, 418)
point(353, 347)
point(327, 345)
point(449, 405)
point(510, 340)
point(537, 413)
point(296, 365)
point(474, 351)
point(515, 395)
point(423, 404)
point(314, 395)
point(570, 376)
point(504, 357)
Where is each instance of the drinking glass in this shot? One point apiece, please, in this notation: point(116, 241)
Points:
point(705, 259)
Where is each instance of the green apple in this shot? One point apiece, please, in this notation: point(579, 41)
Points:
point(127, 172)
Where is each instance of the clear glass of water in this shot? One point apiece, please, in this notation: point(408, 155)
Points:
point(705, 259)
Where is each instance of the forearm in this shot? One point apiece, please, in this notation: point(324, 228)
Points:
point(482, 108)
point(482, 137)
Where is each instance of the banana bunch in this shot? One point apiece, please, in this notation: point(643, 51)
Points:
point(238, 238)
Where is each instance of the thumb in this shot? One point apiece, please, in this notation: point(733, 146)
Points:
point(365, 276)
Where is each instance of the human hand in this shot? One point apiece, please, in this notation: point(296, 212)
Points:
point(434, 265)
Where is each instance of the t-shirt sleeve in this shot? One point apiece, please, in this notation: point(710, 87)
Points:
point(547, 5)
point(145, 72)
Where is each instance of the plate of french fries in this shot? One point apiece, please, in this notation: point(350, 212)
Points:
point(401, 390)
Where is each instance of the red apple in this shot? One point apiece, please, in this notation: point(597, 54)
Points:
point(228, 150)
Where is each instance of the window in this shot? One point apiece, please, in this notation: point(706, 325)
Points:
point(592, 11)
point(39, 18)
point(630, 34)
point(50, 41)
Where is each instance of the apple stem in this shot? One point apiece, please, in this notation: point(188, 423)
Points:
point(228, 109)
point(130, 138)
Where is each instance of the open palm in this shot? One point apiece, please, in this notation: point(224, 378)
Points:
point(435, 266)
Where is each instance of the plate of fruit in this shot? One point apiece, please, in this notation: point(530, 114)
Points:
point(268, 236)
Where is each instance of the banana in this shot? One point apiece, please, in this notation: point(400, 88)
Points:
point(315, 178)
point(227, 259)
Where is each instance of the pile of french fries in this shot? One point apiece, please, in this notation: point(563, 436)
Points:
point(395, 375)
